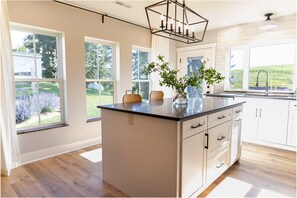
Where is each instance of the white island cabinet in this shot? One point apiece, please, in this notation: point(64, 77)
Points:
point(157, 150)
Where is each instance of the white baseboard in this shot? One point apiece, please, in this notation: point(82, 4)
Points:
point(264, 143)
point(53, 151)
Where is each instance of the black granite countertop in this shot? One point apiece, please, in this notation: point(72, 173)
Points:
point(253, 95)
point(166, 110)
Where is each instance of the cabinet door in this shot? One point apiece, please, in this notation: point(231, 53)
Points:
point(193, 157)
point(291, 140)
point(273, 121)
point(235, 140)
point(250, 118)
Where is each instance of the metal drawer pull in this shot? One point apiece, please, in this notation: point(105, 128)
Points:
point(238, 111)
point(198, 125)
point(238, 119)
point(206, 134)
point(220, 165)
point(221, 138)
point(221, 117)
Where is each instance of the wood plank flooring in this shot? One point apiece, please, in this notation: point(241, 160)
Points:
point(261, 169)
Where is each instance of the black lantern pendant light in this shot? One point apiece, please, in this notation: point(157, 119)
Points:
point(176, 21)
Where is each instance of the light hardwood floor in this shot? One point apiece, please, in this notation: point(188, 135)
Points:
point(261, 171)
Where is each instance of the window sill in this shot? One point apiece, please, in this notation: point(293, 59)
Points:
point(93, 120)
point(42, 128)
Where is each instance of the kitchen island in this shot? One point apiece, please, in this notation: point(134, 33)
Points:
point(154, 149)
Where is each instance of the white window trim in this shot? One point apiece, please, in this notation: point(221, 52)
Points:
point(114, 66)
point(143, 49)
point(246, 66)
point(60, 79)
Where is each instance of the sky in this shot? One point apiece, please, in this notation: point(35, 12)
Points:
point(265, 55)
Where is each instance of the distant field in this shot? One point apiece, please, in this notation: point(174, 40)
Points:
point(279, 76)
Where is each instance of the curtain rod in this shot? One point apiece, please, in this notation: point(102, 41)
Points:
point(103, 15)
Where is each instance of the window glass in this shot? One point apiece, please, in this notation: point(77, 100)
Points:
point(140, 81)
point(277, 61)
point(37, 75)
point(99, 76)
point(236, 61)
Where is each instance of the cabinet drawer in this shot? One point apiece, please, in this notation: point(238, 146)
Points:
point(218, 138)
point(194, 126)
point(237, 111)
point(219, 117)
point(217, 165)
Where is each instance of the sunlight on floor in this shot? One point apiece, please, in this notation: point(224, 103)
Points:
point(269, 194)
point(94, 155)
point(230, 188)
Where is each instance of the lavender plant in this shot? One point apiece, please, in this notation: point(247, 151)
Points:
point(48, 102)
point(27, 106)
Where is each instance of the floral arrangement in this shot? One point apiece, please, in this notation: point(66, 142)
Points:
point(169, 77)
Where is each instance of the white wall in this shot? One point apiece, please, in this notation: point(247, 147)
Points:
point(75, 24)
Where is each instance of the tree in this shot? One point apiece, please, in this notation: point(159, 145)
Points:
point(46, 46)
point(98, 60)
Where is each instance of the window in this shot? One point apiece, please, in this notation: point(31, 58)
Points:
point(248, 67)
point(236, 69)
point(140, 81)
point(100, 66)
point(38, 79)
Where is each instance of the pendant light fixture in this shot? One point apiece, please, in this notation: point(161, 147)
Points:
point(268, 23)
point(174, 20)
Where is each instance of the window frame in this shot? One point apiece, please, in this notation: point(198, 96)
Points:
point(246, 66)
point(114, 65)
point(59, 79)
point(143, 49)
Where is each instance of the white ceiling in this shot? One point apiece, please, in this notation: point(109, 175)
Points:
point(219, 13)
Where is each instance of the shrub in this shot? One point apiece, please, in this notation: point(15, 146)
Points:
point(48, 102)
point(26, 105)
point(25, 108)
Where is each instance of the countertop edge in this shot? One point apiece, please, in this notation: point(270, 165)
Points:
point(228, 95)
point(174, 118)
point(140, 113)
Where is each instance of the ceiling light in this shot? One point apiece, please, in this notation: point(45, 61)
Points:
point(268, 23)
point(174, 20)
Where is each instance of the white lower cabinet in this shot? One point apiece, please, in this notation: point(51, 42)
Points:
point(291, 140)
point(193, 164)
point(217, 165)
point(208, 144)
point(235, 145)
point(265, 120)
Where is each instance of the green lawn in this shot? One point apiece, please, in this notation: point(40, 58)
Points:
point(279, 76)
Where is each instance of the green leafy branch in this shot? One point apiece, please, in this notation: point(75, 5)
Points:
point(169, 77)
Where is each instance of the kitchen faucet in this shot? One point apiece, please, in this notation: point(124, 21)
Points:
point(257, 82)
